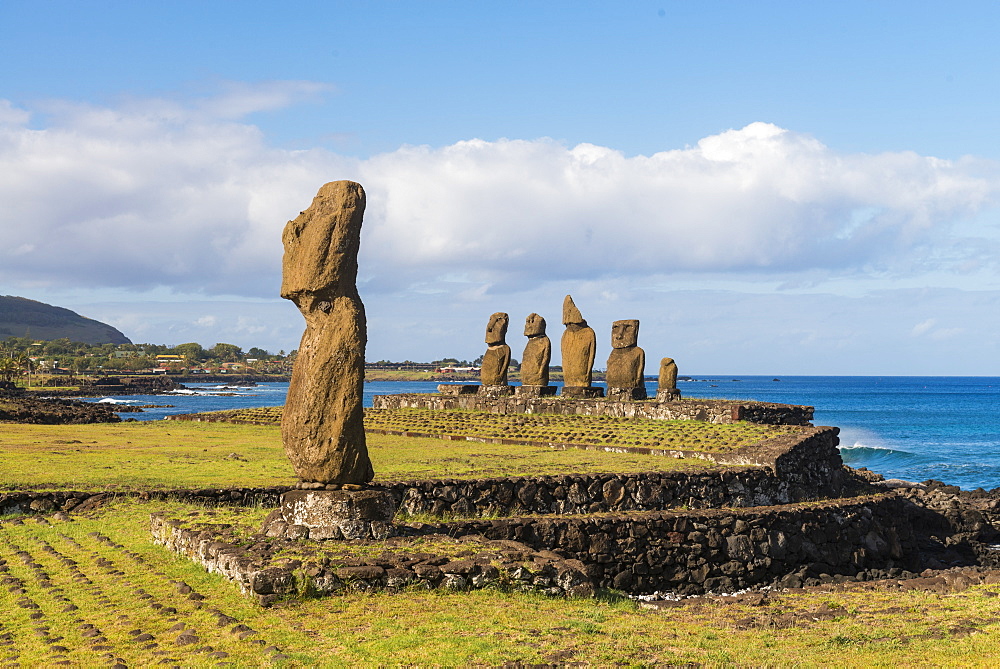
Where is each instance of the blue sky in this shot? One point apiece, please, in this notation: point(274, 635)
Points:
point(770, 187)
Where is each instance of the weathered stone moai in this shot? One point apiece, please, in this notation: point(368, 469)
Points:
point(322, 425)
point(535, 361)
point(666, 390)
point(578, 348)
point(627, 362)
point(496, 360)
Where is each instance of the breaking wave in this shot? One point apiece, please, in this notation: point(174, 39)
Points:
point(863, 454)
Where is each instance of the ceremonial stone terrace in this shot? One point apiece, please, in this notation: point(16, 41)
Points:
point(742, 521)
point(712, 411)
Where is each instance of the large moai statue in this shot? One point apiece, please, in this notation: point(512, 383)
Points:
point(322, 426)
point(496, 360)
point(666, 390)
point(535, 360)
point(627, 362)
point(578, 347)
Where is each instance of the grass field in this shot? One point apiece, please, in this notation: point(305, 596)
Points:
point(687, 435)
point(94, 591)
point(182, 454)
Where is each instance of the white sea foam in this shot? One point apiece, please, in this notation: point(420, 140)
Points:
point(860, 445)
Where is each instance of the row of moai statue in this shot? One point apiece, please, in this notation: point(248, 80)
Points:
point(625, 371)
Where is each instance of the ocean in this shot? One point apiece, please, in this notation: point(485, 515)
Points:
point(907, 427)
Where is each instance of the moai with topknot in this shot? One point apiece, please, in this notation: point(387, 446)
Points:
point(578, 348)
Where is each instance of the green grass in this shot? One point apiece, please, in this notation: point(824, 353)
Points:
point(433, 628)
point(688, 435)
point(183, 454)
point(124, 575)
point(140, 455)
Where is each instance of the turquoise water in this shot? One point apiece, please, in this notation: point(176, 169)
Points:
point(907, 427)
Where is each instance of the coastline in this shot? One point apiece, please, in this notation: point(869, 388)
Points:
point(910, 428)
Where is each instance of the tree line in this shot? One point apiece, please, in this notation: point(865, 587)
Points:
point(21, 355)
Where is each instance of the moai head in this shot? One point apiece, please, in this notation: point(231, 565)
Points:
point(624, 334)
point(571, 315)
point(496, 331)
point(534, 326)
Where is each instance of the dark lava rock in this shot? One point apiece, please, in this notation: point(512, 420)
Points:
point(55, 411)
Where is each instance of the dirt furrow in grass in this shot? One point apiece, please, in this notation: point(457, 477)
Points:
point(45, 623)
point(91, 600)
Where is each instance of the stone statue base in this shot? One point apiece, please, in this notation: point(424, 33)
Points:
point(627, 394)
point(495, 391)
point(332, 514)
point(458, 389)
point(668, 395)
point(581, 392)
point(534, 391)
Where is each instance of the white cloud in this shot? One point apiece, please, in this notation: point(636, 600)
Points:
point(929, 329)
point(239, 98)
point(11, 115)
point(756, 199)
point(158, 196)
point(946, 333)
point(156, 193)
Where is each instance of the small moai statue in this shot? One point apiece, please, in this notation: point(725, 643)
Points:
point(578, 347)
point(535, 361)
point(627, 362)
point(666, 390)
point(496, 360)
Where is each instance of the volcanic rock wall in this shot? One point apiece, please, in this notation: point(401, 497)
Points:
point(713, 411)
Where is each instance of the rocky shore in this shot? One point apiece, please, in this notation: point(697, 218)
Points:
point(112, 385)
point(18, 407)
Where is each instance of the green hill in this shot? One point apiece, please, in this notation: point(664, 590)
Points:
point(21, 317)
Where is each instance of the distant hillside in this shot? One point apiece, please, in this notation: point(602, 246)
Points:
point(21, 317)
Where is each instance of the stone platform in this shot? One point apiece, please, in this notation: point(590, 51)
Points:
point(452, 389)
point(713, 411)
point(332, 514)
point(582, 392)
point(627, 394)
